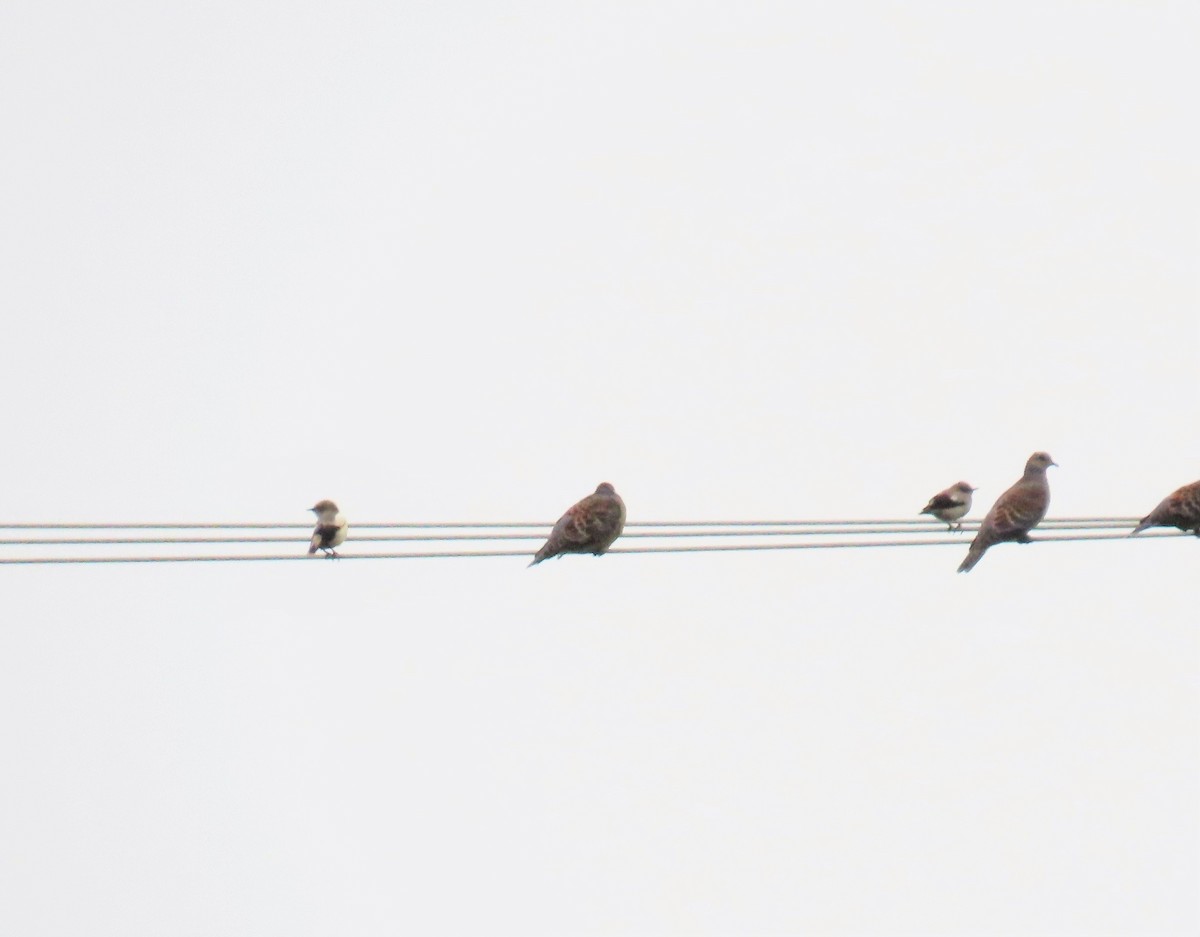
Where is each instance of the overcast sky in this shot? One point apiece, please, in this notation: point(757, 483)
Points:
point(465, 261)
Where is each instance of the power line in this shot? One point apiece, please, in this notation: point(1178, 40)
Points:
point(931, 528)
point(489, 525)
point(480, 554)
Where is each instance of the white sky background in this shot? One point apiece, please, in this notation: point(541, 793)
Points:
point(465, 261)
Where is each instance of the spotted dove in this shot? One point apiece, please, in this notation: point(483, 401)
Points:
point(1015, 513)
point(1181, 508)
point(589, 526)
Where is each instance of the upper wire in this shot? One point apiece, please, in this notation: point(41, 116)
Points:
point(884, 527)
point(487, 525)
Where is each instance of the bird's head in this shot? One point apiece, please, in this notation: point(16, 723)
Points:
point(321, 507)
point(964, 488)
point(1040, 460)
point(604, 488)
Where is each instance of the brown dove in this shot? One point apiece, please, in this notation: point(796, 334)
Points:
point(950, 505)
point(1015, 513)
point(589, 526)
point(1181, 508)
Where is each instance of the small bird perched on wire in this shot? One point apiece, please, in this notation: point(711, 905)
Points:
point(331, 528)
point(1015, 513)
point(589, 526)
point(951, 505)
point(1181, 508)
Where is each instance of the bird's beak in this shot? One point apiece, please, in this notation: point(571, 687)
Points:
point(1055, 464)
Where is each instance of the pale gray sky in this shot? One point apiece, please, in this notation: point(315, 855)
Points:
point(465, 261)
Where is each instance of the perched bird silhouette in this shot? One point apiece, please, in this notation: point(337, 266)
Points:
point(331, 528)
point(1181, 508)
point(589, 526)
point(950, 505)
point(1015, 513)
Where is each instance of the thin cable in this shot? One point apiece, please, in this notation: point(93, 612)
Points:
point(706, 548)
point(543, 525)
point(930, 528)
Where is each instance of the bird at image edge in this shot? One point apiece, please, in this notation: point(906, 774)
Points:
point(1181, 508)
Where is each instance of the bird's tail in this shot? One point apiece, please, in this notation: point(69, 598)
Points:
point(1147, 521)
point(312, 547)
point(548, 550)
point(974, 555)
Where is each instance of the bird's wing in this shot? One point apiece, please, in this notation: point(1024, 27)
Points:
point(1018, 510)
point(940, 502)
point(589, 522)
point(1183, 503)
point(324, 534)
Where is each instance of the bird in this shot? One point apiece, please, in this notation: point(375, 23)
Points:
point(1181, 508)
point(331, 528)
point(589, 526)
point(951, 505)
point(1015, 513)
